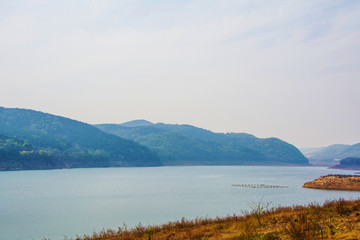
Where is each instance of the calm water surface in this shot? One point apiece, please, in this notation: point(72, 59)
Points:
point(58, 203)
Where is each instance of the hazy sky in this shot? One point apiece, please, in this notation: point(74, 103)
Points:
point(288, 69)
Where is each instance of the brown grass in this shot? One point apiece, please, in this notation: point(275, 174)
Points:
point(335, 182)
point(338, 219)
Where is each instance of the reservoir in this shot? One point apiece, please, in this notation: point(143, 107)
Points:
point(64, 203)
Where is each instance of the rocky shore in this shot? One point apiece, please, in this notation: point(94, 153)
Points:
point(335, 182)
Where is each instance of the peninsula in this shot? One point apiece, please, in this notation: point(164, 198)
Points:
point(335, 182)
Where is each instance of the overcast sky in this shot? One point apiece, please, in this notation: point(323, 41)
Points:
point(288, 69)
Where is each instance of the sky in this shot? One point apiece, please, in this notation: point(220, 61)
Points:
point(288, 69)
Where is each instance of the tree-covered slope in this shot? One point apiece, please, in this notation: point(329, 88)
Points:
point(69, 143)
point(19, 154)
point(186, 144)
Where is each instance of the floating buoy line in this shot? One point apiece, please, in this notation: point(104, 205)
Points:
point(258, 186)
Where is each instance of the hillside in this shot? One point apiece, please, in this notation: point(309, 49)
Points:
point(337, 219)
point(36, 140)
point(188, 145)
point(18, 154)
point(329, 155)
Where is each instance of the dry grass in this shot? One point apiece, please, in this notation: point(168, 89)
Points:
point(335, 182)
point(338, 219)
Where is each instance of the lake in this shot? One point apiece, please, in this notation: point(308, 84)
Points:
point(70, 202)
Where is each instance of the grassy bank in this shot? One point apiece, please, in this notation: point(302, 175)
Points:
point(337, 219)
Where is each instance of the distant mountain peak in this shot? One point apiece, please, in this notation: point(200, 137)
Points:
point(137, 123)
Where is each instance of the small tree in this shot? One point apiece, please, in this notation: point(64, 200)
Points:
point(258, 208)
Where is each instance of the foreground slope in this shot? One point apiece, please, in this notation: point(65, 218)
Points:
point(28, 136)
point(337, 219)
point(189, 145)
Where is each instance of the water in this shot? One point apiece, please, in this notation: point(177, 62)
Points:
point(70, 202)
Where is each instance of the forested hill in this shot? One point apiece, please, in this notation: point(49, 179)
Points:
point(189, 145)
point(35, 140)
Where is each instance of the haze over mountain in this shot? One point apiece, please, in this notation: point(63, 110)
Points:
point(188, 145)
point(34, 140)
point(331, 154)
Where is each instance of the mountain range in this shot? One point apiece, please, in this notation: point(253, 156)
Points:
point(35, 140)
point(188, 145)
